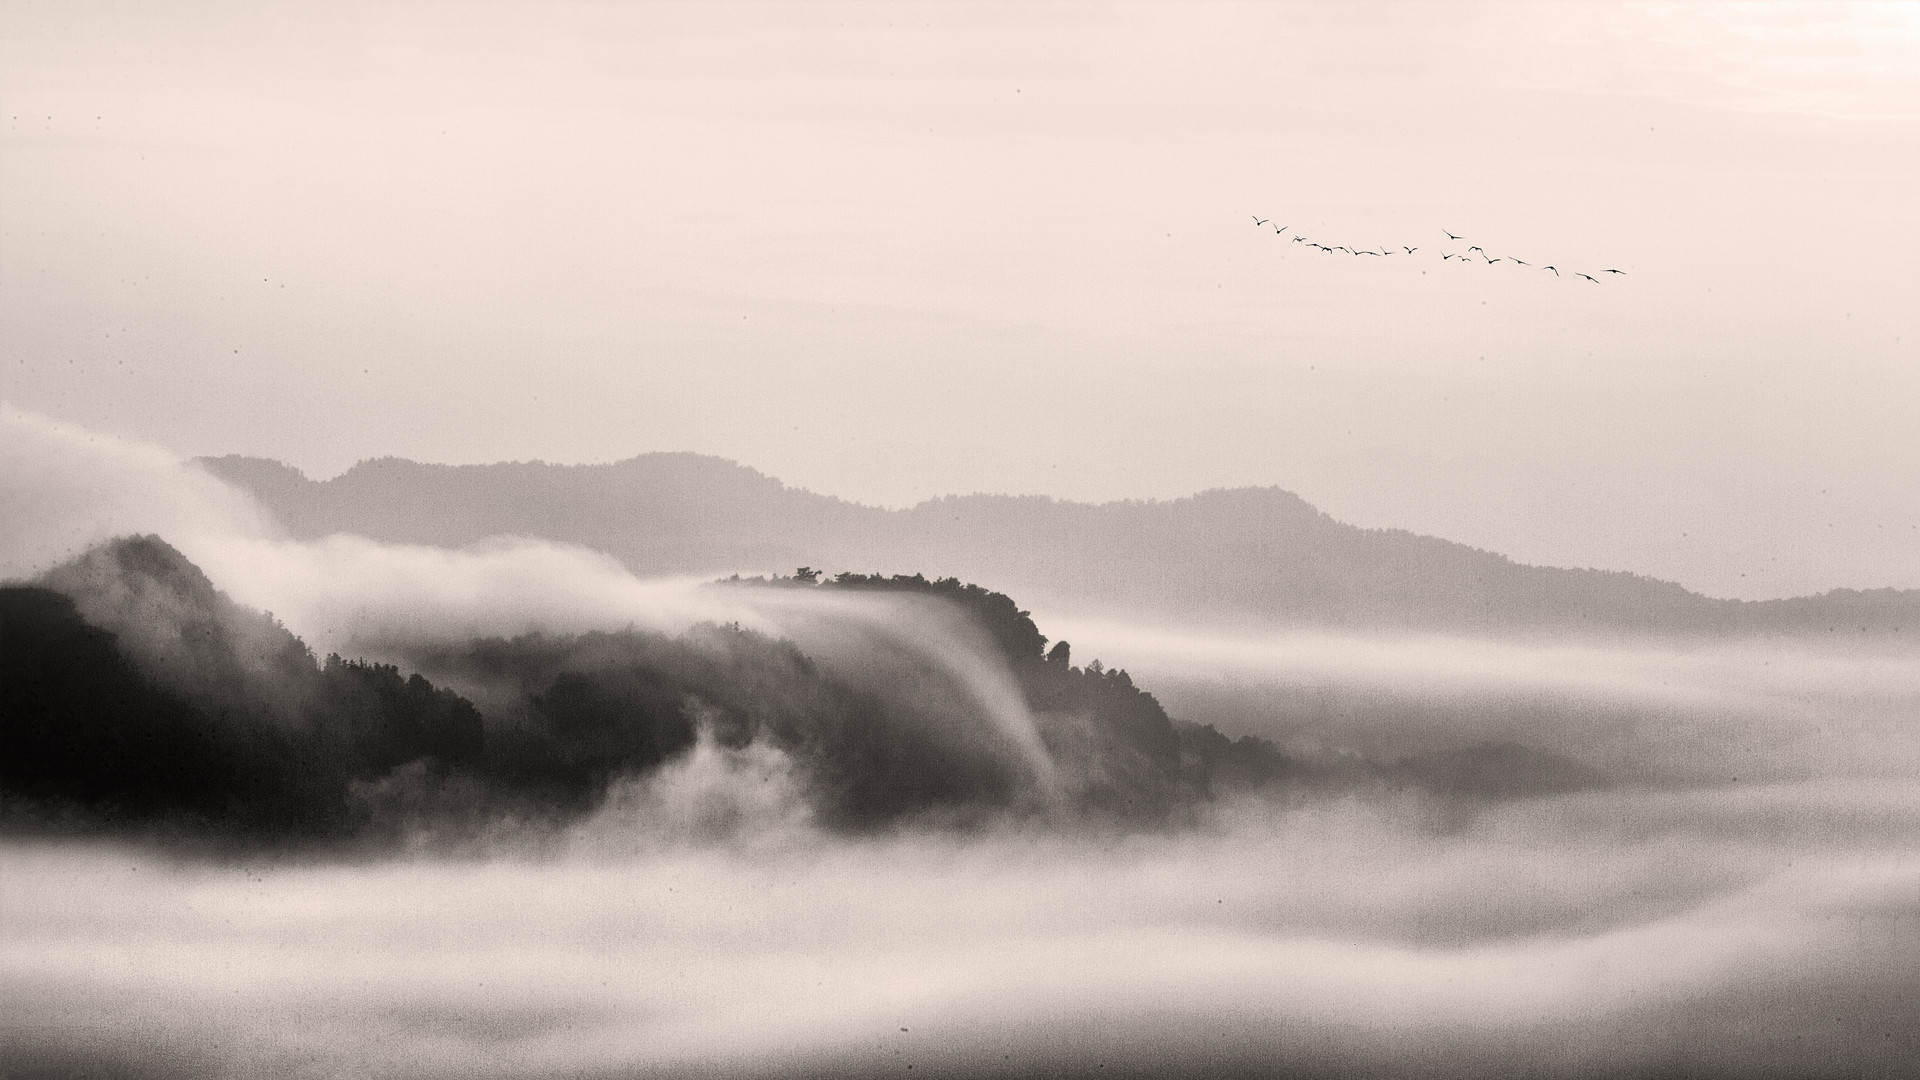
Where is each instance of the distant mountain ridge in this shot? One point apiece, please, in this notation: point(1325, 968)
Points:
point(1257, 556)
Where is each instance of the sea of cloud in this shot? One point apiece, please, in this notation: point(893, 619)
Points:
point(1742, 898)
point(1583, 935)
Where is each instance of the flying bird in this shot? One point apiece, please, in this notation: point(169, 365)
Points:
point(1445, 256)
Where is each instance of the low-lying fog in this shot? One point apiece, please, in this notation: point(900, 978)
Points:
point(1743, 931)
point(1740, 896)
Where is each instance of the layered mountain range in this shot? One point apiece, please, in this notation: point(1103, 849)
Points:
point(1250, 556)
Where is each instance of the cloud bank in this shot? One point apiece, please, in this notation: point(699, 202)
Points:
point(1326, 940)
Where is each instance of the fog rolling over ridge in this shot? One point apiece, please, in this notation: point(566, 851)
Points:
point(1163, 541)
point(1251, 556)
point(543, 816)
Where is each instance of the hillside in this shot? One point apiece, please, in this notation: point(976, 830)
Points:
point(1259, 556)
point(134, 694)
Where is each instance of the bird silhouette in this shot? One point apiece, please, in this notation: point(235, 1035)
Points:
point(1445, 256)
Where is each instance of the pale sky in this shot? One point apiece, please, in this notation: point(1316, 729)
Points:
point(888, 252)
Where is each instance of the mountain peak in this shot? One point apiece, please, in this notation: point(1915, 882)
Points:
point(171, 619)
point(142, 566)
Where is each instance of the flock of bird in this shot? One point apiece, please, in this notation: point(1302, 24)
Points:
point(1466, 256)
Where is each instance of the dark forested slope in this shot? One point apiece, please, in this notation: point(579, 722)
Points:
point(134, 694)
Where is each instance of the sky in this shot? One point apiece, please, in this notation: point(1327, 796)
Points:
point(891, 252)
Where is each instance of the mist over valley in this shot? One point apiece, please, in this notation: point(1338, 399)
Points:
point(600, 541)
point(499, 804)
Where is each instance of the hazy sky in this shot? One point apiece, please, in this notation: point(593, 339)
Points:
point(891, 252)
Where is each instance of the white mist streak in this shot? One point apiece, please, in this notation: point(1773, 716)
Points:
point(342, 589)
point(1683, 672)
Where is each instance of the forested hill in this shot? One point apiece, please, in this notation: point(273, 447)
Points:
point(1258, 556)
point(137, 698)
